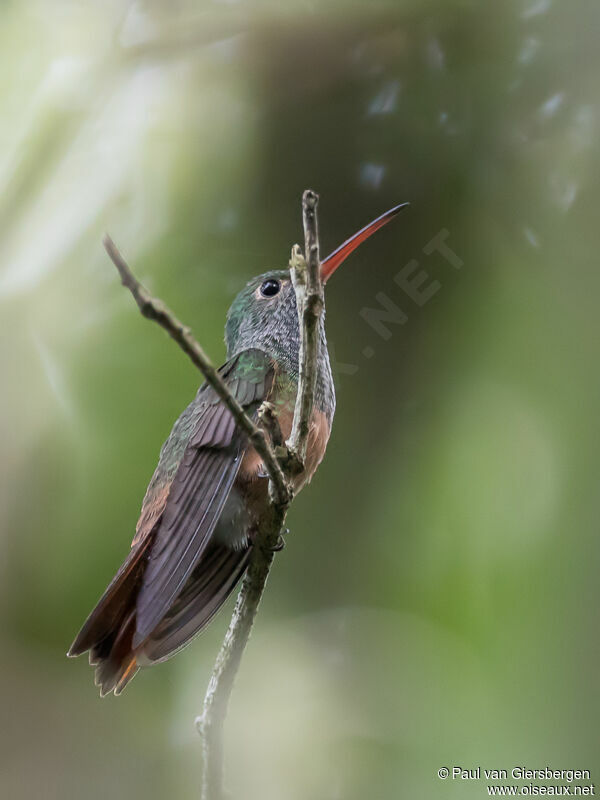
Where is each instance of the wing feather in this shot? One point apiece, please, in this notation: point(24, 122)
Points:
point(209, 586)
point(199, 489)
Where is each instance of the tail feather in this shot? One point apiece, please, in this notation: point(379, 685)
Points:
point(116, 664)
point(208, 587)
point(106, 618)
point(109, 630)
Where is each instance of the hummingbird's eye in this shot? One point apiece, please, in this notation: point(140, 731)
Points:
point(270, 287)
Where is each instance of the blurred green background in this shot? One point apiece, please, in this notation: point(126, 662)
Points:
point(437, 603)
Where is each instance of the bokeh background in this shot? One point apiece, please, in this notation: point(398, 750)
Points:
point(437, 603)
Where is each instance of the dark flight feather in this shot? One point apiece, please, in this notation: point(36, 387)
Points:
point(117, 598)
point(199, 490)
point(195, 502)
point(210, 585)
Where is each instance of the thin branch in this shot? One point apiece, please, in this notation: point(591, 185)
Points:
point(156, 310)
point(210, 724)
point(310, 299)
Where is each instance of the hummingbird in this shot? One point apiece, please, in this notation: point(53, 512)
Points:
point(198, 521)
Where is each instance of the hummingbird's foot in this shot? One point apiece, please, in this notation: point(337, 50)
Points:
point(280, 543)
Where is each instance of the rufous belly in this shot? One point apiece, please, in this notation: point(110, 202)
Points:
point(251, 481)
point(252, 469)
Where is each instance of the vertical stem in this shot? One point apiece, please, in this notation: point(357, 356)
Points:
point(306, 277)
point(210, 724)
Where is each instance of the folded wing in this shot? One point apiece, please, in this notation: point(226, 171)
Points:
point(199, 490)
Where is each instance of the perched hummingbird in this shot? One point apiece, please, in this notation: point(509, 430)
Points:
point(198, 521)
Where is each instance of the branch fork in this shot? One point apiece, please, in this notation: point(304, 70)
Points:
point(282, 462)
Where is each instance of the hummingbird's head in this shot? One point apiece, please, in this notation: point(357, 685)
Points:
point(264, 314)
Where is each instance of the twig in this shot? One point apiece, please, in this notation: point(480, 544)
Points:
point(210, 724)
point(310, 300)
point(157, 311)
